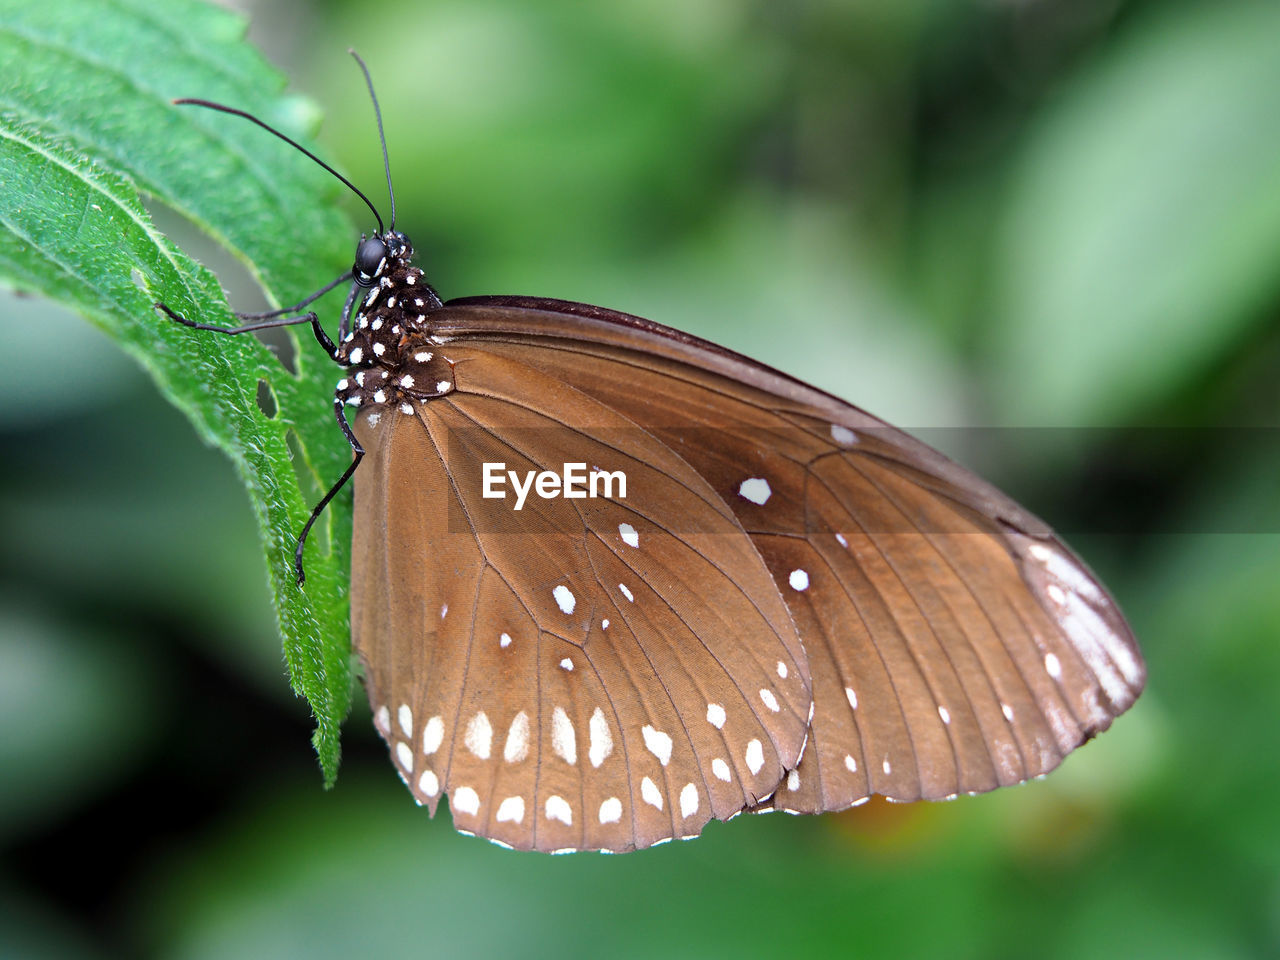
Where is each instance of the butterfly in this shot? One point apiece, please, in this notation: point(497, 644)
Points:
point(611, 581)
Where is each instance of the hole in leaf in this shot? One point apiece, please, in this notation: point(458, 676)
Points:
point(267, 400)
point(242, 290)
point(285, 348)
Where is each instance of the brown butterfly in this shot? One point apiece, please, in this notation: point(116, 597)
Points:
point(611, 581)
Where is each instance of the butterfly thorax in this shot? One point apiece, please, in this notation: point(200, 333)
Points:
point(390, 356)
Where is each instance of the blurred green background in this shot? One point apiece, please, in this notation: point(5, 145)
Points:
point(1039, 216)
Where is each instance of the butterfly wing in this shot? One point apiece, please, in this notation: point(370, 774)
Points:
point(952, 651)
point(784, 570)
point(584, 673)
point(954, 643)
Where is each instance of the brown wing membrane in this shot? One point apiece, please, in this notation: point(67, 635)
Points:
point(583, 673)
point(942, 661)
point(955, 645)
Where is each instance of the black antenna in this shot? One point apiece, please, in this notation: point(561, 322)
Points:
point(377, 112)
point(293, 143)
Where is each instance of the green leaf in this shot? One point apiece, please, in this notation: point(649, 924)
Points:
point(86, 125)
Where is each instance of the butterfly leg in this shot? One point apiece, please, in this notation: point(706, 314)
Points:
point(299, 305)
point(344, 327)
point(358, 451)
point(310, 317)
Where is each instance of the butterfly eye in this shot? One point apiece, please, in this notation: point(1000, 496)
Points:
point(371, 257)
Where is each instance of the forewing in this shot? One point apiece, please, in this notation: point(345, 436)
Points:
point(954, 643)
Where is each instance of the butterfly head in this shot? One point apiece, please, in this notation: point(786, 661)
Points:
point(379, 254)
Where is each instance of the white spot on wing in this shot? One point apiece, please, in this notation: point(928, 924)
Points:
point(782, 670)
point(429, 783)
point(611, 810)
point(558, 809)
point(466, 800)
point(405, 756)
point(565, 599)
point(406, 719)
point(715, 715)
point(505, 640)
point(432, 735)
point(626, 593)
point(721, 770)
point(601, 738)
point(688, 800)
point(659, 743)
point(629, 535)
point(852, 697)
point(517, 747)
point(841, 540)
point(1102, 649)
point(382, 720)
point(566, 664)
point(479, 736)
point(793, 781)
point(1007, 711)
point(755, 489)
point(754, 756)
point(799, 580)
point(511, 810)
point(843, 435)
point(650, 793)
point(1061, 568)
point(944, 713)
point(850, 764)
point(563, 739)
point(768, 699)
point(1053, 666)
